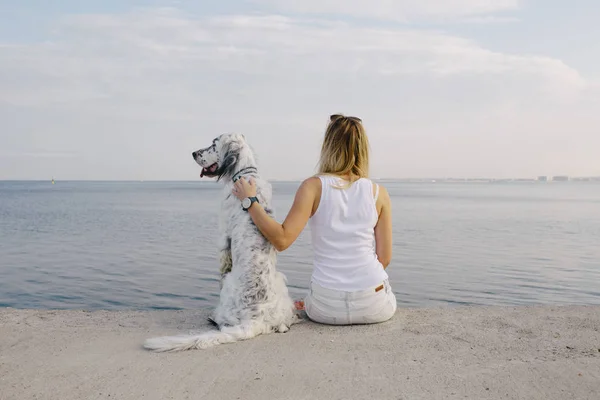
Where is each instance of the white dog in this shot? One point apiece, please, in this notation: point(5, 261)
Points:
point(254, 297)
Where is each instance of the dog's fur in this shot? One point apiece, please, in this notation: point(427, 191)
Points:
point(254, 297)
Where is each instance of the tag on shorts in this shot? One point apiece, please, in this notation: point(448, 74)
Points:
point(378, 288)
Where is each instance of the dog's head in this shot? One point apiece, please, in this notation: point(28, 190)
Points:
point(224, 157)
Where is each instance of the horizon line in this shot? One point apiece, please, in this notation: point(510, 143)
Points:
point(430, 179)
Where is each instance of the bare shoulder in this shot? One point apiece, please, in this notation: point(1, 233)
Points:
point(312, 184)
point(383, 194)
point(309, 193)
point(383, 198)
point(312, 181)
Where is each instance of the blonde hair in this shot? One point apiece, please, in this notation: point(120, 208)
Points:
point(345, 149)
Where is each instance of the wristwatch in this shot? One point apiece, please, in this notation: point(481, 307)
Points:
point(247, 202)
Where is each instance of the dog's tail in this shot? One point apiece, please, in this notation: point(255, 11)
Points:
point(227, 334)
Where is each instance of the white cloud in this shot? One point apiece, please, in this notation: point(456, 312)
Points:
point(488, 19)
point(135, 92)
point(38, 155)
point(398, 10)
point(91, 54)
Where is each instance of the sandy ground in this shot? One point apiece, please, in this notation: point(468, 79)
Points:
point(444, 353)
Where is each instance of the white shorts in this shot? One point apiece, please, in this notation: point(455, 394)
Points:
point(336, 307)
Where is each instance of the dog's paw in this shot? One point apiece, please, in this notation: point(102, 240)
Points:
point(299, 317)
point(283, 328)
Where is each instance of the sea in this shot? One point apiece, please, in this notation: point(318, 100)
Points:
point(152, 245)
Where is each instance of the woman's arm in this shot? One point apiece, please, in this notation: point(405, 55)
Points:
point(280, 235)
point(383, 229)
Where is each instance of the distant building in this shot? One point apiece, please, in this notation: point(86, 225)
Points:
point(542, 178)
point(560, 178)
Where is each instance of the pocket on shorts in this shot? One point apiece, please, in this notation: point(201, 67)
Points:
point(382, 310)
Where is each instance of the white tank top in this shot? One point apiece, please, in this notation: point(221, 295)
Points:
point(343, 236)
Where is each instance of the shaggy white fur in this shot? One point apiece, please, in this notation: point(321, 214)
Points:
point(254, 297)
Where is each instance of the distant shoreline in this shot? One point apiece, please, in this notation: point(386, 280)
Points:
point(399, 180)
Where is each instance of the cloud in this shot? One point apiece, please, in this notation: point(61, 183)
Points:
point(135, 92)
point(397, 10)
point(488, 19)
point(94, 56)
point(38, 155)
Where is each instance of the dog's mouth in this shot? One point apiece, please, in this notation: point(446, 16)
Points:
point(209, 171)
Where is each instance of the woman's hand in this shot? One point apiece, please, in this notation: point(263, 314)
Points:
point(242, 188)
point(281, 235)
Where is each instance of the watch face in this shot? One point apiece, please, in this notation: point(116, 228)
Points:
point(246, 202)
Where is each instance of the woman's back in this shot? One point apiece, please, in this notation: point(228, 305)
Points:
point(342, 231)
point(351, 230)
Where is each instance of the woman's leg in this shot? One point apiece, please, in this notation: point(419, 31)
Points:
point(373, 309)
point(326, 306)
point(382, 308)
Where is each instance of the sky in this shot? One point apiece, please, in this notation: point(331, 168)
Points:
point(127, 89)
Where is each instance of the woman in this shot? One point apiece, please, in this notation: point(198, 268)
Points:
point(351, 228)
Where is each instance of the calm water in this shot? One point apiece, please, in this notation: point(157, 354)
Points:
point(118, 245)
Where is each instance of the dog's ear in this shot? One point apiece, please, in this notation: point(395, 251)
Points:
point(228, 166)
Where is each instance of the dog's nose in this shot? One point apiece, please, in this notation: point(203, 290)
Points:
point(194, 155)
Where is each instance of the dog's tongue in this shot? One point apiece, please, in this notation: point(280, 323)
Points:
point(210, 170)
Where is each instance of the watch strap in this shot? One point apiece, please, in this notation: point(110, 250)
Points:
point(252, 200)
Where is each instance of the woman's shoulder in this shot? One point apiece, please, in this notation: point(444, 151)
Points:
point(312, 182)
point(309, 190)
point(382, 191)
